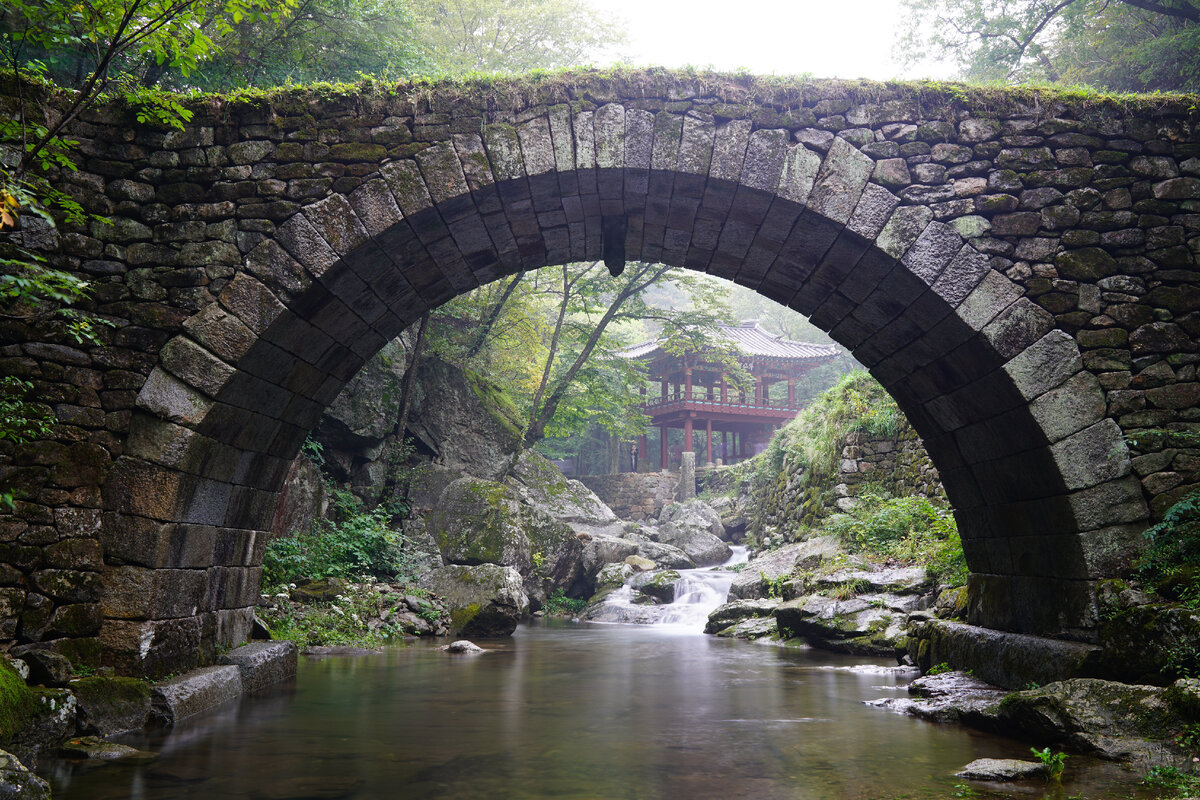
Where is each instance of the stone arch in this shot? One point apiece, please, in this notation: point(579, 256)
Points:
point(1039, 476)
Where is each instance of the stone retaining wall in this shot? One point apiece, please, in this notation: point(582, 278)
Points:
point(634, 496)
point(897, 465)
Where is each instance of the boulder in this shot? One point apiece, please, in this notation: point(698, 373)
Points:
point(750, 629)
point(111, 705)
point(463, 646)
point(479, 521)
point(949, 697)
point(859, 625)
point(640, 564)
point(420, 547)
point(1115, 721)
point(772, 565)
point(462, 419)
point(613, 576)
point(18, 782)
point(599, 550)
point(702, 547)
point(302, 498)
point(542, 486)
point(1002, 770)
point(658, 584)
point(664, 555)
point(735, 611)
point(895, 580)
point(556, 558)
point(692, 514)
point(52, 720)
point(483, 600)
point(369, 404)
point(1140, 642)
point(46, 667)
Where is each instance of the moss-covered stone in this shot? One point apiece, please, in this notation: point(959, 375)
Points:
point(111, 705)
point(17, 702)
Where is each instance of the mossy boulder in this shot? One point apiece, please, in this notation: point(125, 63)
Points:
point(774, 565)
point(483, 600)
point(1150, 643)
point(659, 584)
point(18, 782)
point(322, 590)
point(111, 705)
point(480, 521)
point(865, 625)
point(736, 611)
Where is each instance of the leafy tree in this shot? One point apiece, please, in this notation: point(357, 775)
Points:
point(512, 35)
point(1132, 45)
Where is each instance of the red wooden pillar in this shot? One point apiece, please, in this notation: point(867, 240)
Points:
point(708, 430)
point(664, 388)
point(791, 393)
point(662, 447)
point(687, 435)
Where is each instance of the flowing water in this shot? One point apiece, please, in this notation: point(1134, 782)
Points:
point(576, 711)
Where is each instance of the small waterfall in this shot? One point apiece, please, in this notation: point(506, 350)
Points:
point(697, 593)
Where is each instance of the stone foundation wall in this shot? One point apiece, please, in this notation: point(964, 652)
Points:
point(634, 496)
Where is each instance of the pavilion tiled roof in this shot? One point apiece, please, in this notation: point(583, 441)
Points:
point(754, 340)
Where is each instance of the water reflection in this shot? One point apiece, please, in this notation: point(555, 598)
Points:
point(566, 712)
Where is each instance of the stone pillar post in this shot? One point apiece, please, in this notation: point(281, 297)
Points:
point(687, 477)
point(687, 435)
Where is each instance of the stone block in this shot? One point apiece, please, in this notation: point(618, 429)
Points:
point(1017, 327)
point(151, 648)
point(933, 250)
point(840, 181)
point(195, 366)
point(165, 396)
point(141, 593)
point(193, 692)
point(107, 706)
point(1095, 455)
point(729, 150)
point(262, 664)
point(221, 332)
point(902, 229)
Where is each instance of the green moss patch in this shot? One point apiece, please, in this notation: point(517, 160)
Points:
point(18, 704)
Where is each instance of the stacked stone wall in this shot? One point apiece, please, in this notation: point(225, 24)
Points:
point(897, 465)
point(634, 496)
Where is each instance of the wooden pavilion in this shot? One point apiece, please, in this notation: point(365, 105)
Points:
point(697, 395)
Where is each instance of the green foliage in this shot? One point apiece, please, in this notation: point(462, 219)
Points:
point(461, 36)
point(1169, 782)
point(1171, 561)
point(343, 621)
point(559, 603)
point(356, 542)
point(1054, 763)
point(774, 585)
point(906, 529)
point(1189, 737)
point(939, 669)
point(1116, 44)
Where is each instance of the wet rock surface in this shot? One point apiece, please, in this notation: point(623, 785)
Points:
point(483, 600)
point(1002, 770)
point(18, 782)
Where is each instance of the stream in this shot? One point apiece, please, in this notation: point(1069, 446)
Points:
point(576, 710)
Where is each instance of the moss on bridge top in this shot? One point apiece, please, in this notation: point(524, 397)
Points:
point(731, 94)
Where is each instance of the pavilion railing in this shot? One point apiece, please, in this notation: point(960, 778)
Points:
point(701, 397)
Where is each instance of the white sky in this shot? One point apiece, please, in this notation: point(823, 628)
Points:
point(829, 39)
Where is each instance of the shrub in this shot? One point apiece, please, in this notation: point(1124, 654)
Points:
point(1171, 562)
point(908, 529)
point(559, 603)
point(356, 542)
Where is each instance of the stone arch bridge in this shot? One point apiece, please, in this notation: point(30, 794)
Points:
point(1017, 268)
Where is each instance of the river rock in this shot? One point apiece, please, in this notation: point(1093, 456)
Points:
point(664, 555)
point(111, 705)
point(18, 782)
point(695, 529)
point(893, 580)
point(483, 600)
point(1002, 770)
point(53, 720)
point(1115, 721)
point(613, 576)
point(949, 697)
point(660, 584)
point(599, 550)
point(541, 485)
point(1140, 642)
point(749, 629)
point(773, 565)
point(639, 563)
point(262, 664)
point(463, 646)
point(736, 611)
point(94, 748)
point(858, 625)
point(692, 514)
